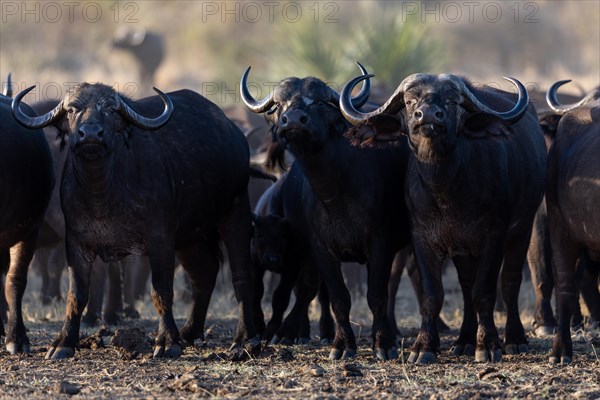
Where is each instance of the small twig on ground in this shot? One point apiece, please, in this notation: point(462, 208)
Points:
point(595, 353)
point(359, 329)
point(403, 364)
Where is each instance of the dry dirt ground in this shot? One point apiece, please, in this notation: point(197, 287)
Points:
point(117, 362)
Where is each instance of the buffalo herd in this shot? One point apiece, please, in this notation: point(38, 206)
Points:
point(444, 170)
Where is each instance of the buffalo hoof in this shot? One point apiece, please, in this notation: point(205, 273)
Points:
point(422, 358)
point(59, 353)
point(516, 348)
point(463, 350)
point(482, 356)
point(131, 313)
point(562, 360)
point(251, 348)
point(89, 320)
point(14, 348)
point(172, 351)
point(303, 340)
point(337, 354)
point(275, 340)
point(544, 331)
point(382, 355)
point(112, 319)
point(326, 341)
point(286, 341)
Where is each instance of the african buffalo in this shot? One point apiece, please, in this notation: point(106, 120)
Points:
point(539, 255)
point(26, 181)
point(572, 193)
point(127, 191)
point(277, 245)
point(473, 184)
point(349, 198)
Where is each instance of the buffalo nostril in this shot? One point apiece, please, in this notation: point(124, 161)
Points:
point(81, 133)
point(284, 119)
point(418, 114)
point(439, 115)
point(303, 119)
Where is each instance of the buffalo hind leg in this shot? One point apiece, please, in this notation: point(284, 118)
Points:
point(114, 304)
point(16, 281)
point(296, 326)
point(326, 324)
point(465, 344)
point(427, 345)
point(400, 260)
point(488, 345)
point(379, 267)
point(236, 230)
point(589, 289)
point(344, 342)
point(93, 311)
point(201, 262)
point(515, 254)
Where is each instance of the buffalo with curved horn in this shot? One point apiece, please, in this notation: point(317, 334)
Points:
point(26, 183)
point(473, 184)
point(572, 191)
point(341, 203)
point(174, 192)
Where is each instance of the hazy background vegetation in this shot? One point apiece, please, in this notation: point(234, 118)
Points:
point(208, 49)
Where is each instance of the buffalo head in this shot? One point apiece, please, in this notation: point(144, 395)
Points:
point(438, 109)
point(303, 110)
point(270, 241)
point(91, 116)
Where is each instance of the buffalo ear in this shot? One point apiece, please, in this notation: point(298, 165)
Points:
point(380, 128)
point(549, 125)
point(482, 125)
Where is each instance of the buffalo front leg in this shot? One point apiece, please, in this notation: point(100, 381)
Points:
point(167, 343)
point(280, 302)
point(80, 268)
point(296, 326)
point(16, 281)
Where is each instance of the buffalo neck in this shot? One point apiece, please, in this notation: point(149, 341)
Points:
point(444, 174)
point(95, 179)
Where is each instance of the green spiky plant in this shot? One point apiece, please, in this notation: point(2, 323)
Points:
point(390, 45)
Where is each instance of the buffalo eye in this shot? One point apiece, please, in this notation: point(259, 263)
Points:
point(410, 102)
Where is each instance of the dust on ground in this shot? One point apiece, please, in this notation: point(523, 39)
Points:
point(116, 362)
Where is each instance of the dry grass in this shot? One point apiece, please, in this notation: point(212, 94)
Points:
point(287, 372)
